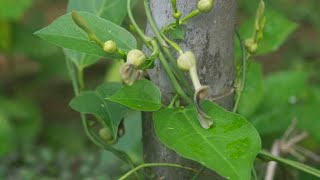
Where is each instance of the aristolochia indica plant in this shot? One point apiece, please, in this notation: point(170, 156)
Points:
point(222, 141)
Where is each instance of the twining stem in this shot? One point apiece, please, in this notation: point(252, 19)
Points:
point(127, 175)
point(189, 16)
point(195, 177)
point(76, 76)
point(264, 155)
point(173, 101)
point(175, 83)
point(145, 39)
point(182, 21)
point(166, 50)
point(175, 10)
point(173, 44)
point(241, 85)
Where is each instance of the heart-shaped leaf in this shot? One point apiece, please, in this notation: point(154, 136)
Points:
point(94, 102)
point(143, 95)
point(65, 33)
point(229, 148)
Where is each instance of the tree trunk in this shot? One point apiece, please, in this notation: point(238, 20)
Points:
point(210, 37)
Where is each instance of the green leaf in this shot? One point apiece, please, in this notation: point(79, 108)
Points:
point(94, 102)
point(65, 33)
point(81, 60)
point(283, 88)
point(114, 11)
point(178, 33)
point(107, 9)
point(288, 96)
point(277, 30)
point(143, 95)
point(276, 121)
point(13, 10)
point(252, 94)
point(229, 148)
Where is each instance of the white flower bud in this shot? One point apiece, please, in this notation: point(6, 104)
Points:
point(110, 47)
point(136, 58)
point(186, 61)
point(205, 6)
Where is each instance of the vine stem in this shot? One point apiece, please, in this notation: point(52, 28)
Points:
point(175, 10)
point(175, 83)
point(155, 165)
point(189, 16)
point(264, 155)
point(77, 79)
point(241, 86)
point(165, 49)
point(144, 38)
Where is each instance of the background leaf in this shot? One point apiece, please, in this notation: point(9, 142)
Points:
point(13, 10)
point(81, 60)
point(143, 95)
point(288, 96)
point(65, 33)
point(277, 30)
point(229, 147)
point(94, 102)
point(114, 11)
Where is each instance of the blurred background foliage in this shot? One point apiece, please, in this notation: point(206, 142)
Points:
point(42, 138)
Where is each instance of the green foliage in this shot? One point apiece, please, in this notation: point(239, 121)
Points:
point(81, 60)
point(13, 10)
point(65, 33)
point(143, 95)
point(95, 103)
point(178, 33)
point(111, 10)
point(287, 96)
point(24, 119)
point(233, 142)
point(253, 91)
point(277, 30)
point(106, 9)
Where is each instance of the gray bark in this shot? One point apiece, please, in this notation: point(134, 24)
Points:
point(210, 37)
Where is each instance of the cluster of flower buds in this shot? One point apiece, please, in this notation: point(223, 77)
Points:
point(252, 43)
point(187, 62)
point(205, 6)
point(130, 71)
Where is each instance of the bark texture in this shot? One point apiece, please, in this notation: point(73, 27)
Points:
point(210, 37)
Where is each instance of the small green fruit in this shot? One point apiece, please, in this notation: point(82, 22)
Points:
point(136, 57)
point(205, 6)
point(186, 61)
point(110, 47)
point(106, 135)
point(177, 15)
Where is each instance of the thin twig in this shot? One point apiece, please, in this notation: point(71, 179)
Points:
point(155, 165)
